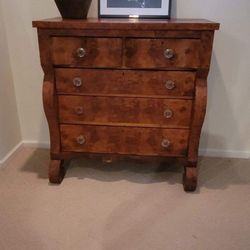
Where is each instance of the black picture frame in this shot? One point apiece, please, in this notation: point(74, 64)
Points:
point(115, 14)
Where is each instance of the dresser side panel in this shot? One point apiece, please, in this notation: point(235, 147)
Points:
point(49, 90)
point(200, 101)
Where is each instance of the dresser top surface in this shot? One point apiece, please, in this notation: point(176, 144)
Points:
point(126, 24)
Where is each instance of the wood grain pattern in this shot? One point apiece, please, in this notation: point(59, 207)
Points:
point(115, 33)
point(127, 24)
point(119, 108)
point(200, 102)
point(125, 82)
point(190, 179)
point(51, 112)
point(49, 95)
point(199, 111)
point(56, 171)
point(100, 52)
point(149, 53)
point(140, 158)
point(84, 109)
point(120, 140)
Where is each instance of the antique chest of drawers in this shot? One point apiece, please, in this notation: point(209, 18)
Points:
point(125, 88)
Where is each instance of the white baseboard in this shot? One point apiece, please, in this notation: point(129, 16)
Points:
point(202, 152)
point(36, 144)
point(224, 153)
point(10, 154)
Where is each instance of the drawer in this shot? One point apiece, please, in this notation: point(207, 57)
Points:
point(162, 53)
point(126, 82)
point(123, 140)
point(87, 52)
point(87, 109)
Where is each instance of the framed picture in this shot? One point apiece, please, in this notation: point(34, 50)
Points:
point(135, 8)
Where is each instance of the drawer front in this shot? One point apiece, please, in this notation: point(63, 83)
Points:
point(122, 140)
point(87, 52)
point(162, 53)
point(85, 109)
point(126, 82)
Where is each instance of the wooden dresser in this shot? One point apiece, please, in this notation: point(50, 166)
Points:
point(125, 88)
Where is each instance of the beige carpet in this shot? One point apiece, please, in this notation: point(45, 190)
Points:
point(123, 206)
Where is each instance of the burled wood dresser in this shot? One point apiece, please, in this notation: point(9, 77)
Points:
point(125, 88)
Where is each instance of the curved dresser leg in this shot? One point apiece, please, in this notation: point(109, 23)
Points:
point(199, 111)
point(190, 178)
point(56, 171)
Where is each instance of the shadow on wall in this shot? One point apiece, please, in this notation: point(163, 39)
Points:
point(173, 9)
point(214, 173)
point(216, 89)
point(221, 117)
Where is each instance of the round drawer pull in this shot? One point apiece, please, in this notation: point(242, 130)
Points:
point(165, 143)
point(81, 52)
point(169, 53)
point(77, 82)
point(78, 110)
point(168, 113)
point(80, 140)
point(170, 85)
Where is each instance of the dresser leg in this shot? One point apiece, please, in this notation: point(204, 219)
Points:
point(56, 171)
point(190, 177)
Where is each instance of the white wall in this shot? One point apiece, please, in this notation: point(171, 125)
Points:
point(24, 57)
point(227, 125)
point(10, 134)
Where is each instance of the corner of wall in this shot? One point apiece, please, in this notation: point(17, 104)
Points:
point(10, 131)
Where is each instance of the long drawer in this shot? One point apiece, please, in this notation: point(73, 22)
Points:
point(162, 53)
point(125, 82)
point(87, 52)
point(89, 109)
point(122, 140)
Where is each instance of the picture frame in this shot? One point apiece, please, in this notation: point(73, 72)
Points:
point(160, 9)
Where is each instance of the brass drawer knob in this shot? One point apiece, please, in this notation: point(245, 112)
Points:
point(165, 143)
point(168, 113)
point(170, 85)
point(77, 82)
point(169, 53)
point(80, 140)
point(81, 52)
point(78, 110)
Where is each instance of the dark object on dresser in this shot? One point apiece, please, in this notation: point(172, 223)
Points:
point(118, 88)
point(73, 9)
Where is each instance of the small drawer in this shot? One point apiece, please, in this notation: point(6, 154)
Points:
point(87, 52)
point(118, 110)
point(124, 140)
point(162, 53)
point(126, 82)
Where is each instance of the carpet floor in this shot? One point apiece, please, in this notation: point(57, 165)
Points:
point(123, 206)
